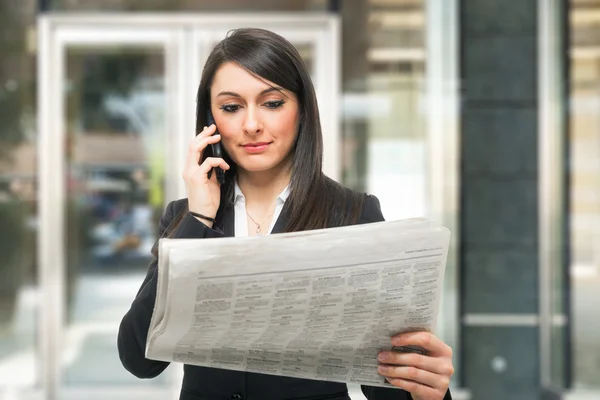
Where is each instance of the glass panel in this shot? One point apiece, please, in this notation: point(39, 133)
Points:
point(115, 106)
point(19, 290)
point(384, 131)
point(585, 192)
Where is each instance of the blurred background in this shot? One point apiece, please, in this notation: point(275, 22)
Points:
point(483, 114)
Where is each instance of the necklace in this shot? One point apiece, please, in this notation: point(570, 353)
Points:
point(258, 228)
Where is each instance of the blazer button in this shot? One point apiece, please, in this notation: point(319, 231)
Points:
point(236, 396)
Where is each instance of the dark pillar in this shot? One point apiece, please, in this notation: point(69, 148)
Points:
point(499, 199)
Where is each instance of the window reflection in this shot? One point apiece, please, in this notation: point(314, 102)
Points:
point(384, 136)
point(115, 176)
point(384, 132)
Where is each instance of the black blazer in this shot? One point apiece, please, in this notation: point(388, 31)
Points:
point(216, 384)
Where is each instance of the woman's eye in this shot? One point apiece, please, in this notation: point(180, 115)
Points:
point(230, 107)
point(274, 104)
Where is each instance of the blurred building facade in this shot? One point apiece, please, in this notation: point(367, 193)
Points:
point(481, 113)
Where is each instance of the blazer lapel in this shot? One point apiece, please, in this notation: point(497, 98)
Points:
point(281, 221)
point(228, 223)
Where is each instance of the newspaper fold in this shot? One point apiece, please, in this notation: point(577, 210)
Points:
point(317, 304)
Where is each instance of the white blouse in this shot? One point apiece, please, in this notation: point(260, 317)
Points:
point(241, 219)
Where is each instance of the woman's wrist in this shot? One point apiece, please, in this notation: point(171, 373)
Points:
point(206, 220)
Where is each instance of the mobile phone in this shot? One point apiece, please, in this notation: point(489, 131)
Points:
point(409, 349)
point(217, 150)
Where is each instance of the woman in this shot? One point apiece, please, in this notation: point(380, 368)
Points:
point(259, 92)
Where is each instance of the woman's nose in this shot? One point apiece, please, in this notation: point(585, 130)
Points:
point(252, 124)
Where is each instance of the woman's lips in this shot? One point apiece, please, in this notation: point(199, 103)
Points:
point(254, 148)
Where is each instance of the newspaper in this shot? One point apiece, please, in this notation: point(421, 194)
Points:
point(318, 304)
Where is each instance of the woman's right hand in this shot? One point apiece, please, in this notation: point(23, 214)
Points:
point(204, 195)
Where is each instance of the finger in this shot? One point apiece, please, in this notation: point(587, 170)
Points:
point(213, 162)
point(207, 131)
point(196, 148)
point(416, 375)
point(416, 389)
point(426, 340)
point(441, 366)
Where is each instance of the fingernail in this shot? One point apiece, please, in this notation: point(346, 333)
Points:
point(383, 369)
point(384, 357)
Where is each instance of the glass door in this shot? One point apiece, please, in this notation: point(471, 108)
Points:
point(105, 126)
point(116, 113)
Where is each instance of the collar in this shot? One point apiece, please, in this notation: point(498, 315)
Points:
point(239, 196)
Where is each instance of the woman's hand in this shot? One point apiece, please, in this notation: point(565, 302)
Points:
point(204, 195)
point(425, 377)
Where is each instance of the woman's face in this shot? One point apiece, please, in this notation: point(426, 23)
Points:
point(257, 120)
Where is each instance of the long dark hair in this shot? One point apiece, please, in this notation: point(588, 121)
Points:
point(315, 201)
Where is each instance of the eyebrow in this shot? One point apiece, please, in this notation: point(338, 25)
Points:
point(269, 90)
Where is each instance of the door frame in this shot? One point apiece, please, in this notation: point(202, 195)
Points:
point(184, 38)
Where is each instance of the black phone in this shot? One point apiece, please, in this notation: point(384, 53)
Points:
point(409, 349)
point(217, 150)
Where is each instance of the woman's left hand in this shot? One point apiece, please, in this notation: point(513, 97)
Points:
point(425, 377)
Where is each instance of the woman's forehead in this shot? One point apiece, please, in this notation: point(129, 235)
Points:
point(231, 77)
